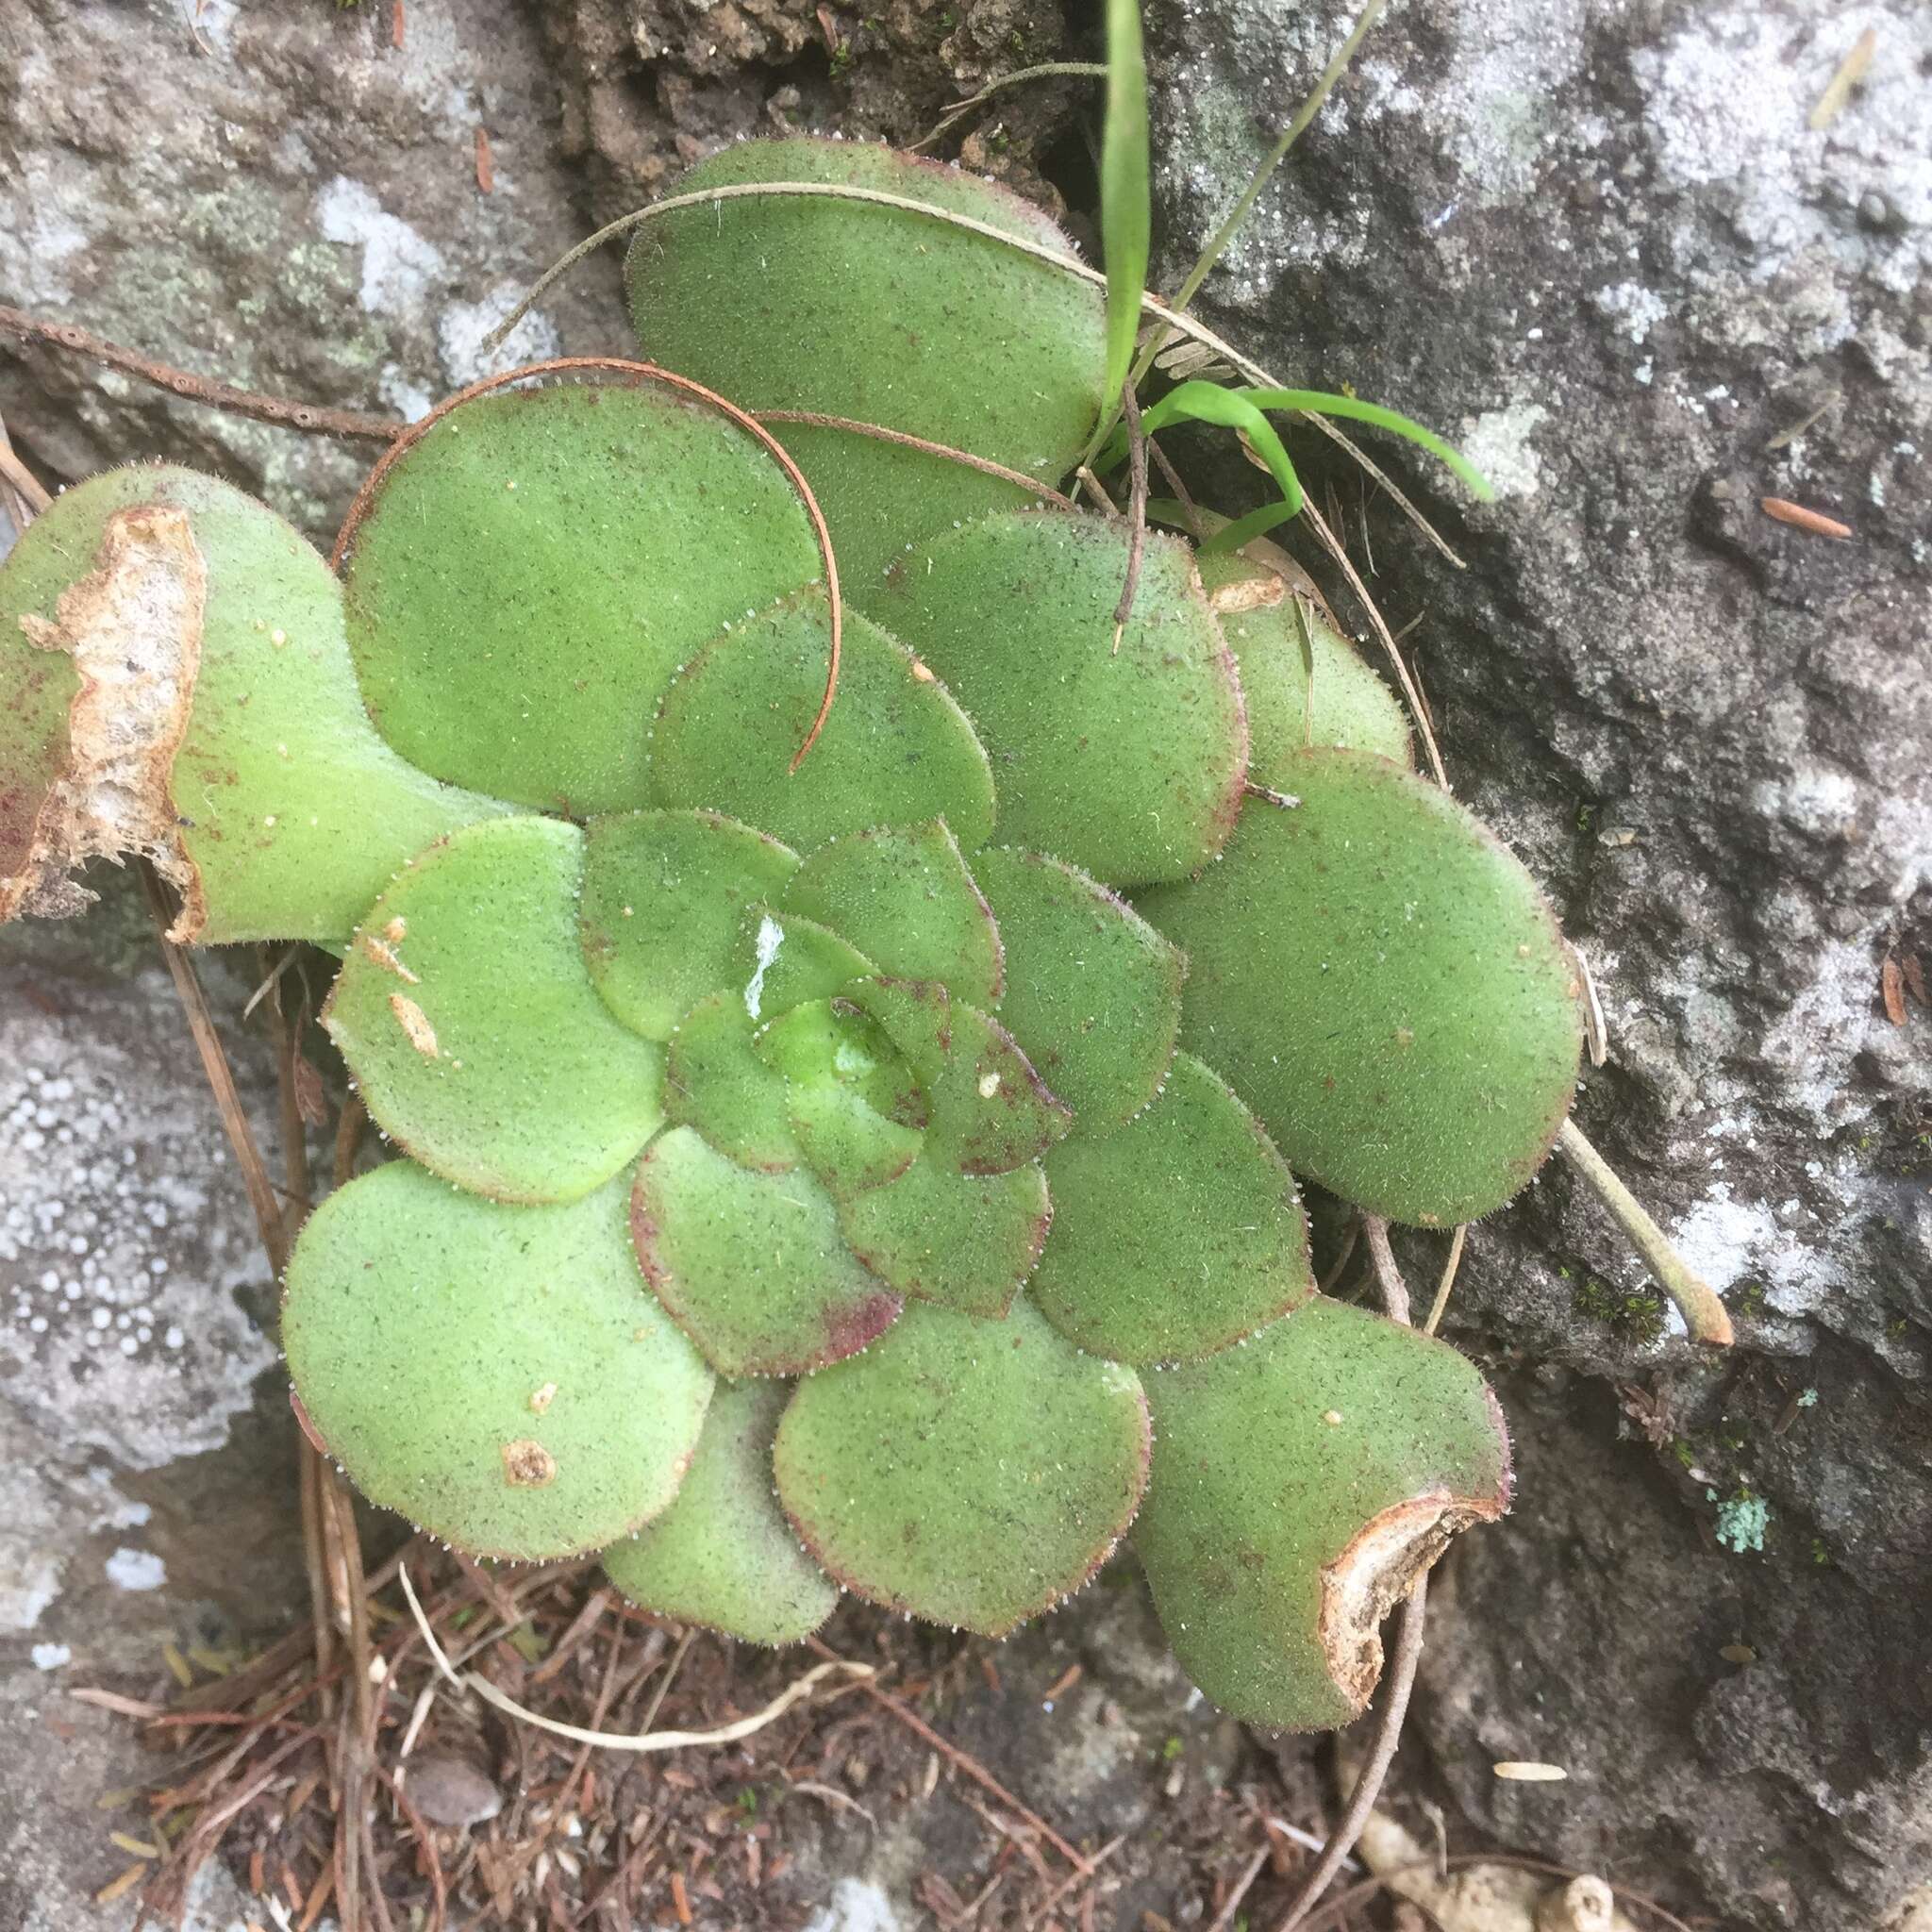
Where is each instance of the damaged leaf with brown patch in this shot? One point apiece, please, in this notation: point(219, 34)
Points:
point(131, 628)
point(1301, 1483)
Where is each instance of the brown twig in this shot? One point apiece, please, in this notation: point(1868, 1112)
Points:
point(310, 417)
point(1243, 1885)
point(1450, 1268)
point(965, 1761)
point(33, 495)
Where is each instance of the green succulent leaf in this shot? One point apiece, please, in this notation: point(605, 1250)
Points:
point(1127, 763)
point(1177, 1235)
point(895, 751)
point(965, 1241)
point(717, 1081)
point(881, 499)
point(989, 1110)
point(534, 568)
point(972, 1472)
point(1299, 1483)
point(665, 894)
point(1387, 988)
point(196, 640)
point(1303, 687)
point(723, 1555)
point(1092, 992)
point(751, 1266)
point(904, 896)
point(854, 310)
point(500, 1374)
point(466, 1012)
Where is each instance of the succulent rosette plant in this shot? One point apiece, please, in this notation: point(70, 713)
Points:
point(873, 1168)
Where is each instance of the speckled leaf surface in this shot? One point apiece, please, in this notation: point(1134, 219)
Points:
point(534, 569)
point(723, 1555)
point(1299, 1483)
point(973, 1472)
point(1346, 704)
point(468, 1017)
point(989, 1110)
point(882, 499)
point(1092, 992)
point(779, 304)
point(1126, 764)
point(716, 1080)
point(499, 1375)
point(966, 1240)
point(288, 808)
point(1384, 986)
point(1177, 1235)
point(895, 751)
point(665, 894)
point(751, 1266)
point(904, 896)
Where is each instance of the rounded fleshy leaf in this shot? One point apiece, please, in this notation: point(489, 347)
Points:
point(500, 1374)
point(882, 499)
point(1127, 763)
point(1384, 986)
point(796, 303)
point(751, 1266)
point(973, 1472)
point(988, 1111)
point(904, 897)
point(665, 894)
point(1177, 1235)
point(1300, 1482)
point(1092, 993)
point(966, 1240)
point(466, 1012)
point(895, 751)
point(723, 1555)
point(533, 569)
point(175, 678)
point(1346, 704)
point(716, 1080)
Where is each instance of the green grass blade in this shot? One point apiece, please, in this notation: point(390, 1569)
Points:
point(1319, 403)
point(1227, 409)
point(1124, 217)
point(1257, 522)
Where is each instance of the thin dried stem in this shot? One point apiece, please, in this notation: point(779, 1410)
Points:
point(1047, 70)
point(23, 480)
point(1448, 1281)
point(1388, 1276)
point(966, 1762)
point(221, 1077)
point(1696, 1301)
point(878, 432)
point(199, 388)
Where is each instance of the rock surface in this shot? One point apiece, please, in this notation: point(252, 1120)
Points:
point(1598, 243)
point(1604, 246)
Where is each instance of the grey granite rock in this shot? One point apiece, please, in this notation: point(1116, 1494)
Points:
point(1602, 245)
